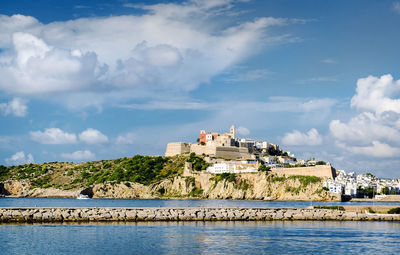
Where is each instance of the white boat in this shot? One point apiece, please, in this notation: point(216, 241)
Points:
point(82, 196)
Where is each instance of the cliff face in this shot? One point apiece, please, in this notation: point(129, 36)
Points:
point(258, 186)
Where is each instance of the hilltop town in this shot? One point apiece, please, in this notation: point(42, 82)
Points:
point(217, 166)
point(228, 154)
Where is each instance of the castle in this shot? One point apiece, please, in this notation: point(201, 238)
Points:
point(233, 155)
point(217, 145)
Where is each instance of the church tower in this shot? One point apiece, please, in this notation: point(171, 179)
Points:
point(233, 131)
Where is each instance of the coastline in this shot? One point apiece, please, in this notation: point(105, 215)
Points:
point(49, 215)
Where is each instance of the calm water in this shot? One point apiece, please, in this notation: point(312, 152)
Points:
point(203, 238)
point(71, 202)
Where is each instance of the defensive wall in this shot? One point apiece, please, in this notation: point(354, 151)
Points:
point(323, 171)
point(227, 152)
point(177, 148)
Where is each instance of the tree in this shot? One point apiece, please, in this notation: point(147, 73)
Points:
point(264, 168)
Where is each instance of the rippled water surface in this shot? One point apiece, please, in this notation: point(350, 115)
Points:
point(203, 238)
point(70, 202)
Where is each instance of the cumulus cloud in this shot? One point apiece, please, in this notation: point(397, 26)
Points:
point(16, 107)
point(297, 138)
point(375, 130)
point(92, 136)
point(20, 158)
point(242, 131)
point(53, 136)
point(377, 95)
point(79, 155)
point(375, 149)
point(126, 56)
point(126, 139)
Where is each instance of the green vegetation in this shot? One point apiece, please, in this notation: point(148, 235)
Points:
point(370, 210)
point(341, 208)
point(290, 189)
point(366, 192)
point(243, 184)
point(140, 169)
point(274, 152)
point(264, 168)
point(306, 180)
point(394, 210)
point(225, 176)
point(320, 163)
point(196, 192)
point(198, 163)
point(279, 179)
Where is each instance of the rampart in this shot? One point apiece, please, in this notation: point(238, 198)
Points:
point(215, 151)
point(323, 171)
point(42, 215)
point(177, 148)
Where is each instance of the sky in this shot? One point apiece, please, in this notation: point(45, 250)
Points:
point(94, 80)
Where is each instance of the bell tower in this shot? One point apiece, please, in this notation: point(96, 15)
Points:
point(232, 131)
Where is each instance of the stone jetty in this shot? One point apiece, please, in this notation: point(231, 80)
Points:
point(43, 215)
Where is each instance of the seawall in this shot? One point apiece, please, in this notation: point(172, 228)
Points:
point(43, 215)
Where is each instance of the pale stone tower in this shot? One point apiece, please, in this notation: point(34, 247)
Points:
point(233, 131)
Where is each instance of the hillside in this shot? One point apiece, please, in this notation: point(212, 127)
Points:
point(153, 177)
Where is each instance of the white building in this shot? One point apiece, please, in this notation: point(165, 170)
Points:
point(351, 189)
point(232, 167)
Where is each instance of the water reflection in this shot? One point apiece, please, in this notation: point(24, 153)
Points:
point(70, 202)
point(202, 238)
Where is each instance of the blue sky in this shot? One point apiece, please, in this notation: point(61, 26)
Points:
point(108, 79)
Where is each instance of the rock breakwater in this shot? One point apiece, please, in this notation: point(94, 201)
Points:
point(43, 215)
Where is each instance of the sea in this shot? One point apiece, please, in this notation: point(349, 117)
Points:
point(274, 237)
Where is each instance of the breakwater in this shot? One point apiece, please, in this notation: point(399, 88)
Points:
point(42, 215)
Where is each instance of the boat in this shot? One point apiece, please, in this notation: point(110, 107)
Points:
point(82, 196)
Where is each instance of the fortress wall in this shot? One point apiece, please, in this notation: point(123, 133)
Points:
point(325, 171)
point(227, 152)
point(177, 148)
point(200, 149)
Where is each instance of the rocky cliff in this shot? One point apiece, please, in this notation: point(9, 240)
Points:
point(260, 186)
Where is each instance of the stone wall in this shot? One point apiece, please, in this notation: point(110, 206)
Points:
point(31, 215)
point(217, 151)
point(201, 149)
point(176, 149)
point(323, 171)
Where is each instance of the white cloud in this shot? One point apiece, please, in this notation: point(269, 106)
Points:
point(377, 95)
point(297, 138)
point(375, 131)
point(318, 79)
point(375, 149)
point(364, 129)
point(92, 136)
point(126, 139)
point(126, 56)
point(396, 7)
point(53, 136)
point(79, 155)
point(329, 61)
point(243, 131)
point(16, 107)
point(20, 158)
